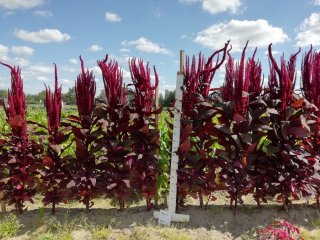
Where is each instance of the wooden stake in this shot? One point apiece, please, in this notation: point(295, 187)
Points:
point(3, 203)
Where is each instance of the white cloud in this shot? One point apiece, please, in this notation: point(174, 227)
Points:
point(112, 17)
point(20, 4)
point(42, 78)
point(95, 48)
point(260, 33)
point(274, 52)
point(158, 12)
point(122, 60)
point(309, 31)
point(22, 50)
point(73, 60)
point(40, 68)
point(66, 84)
point(146, 45)
point(70, 69)
point(18, 61)
point(8, 13)
point(126, 75)
point(43, 13)
point(317, 2)
point(42, 36)
point(189, 1)
point(183, 36)
point(217, 6)
point(4, 50)
point(124, 50)
point(96, 71)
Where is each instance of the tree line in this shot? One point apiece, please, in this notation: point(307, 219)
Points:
point(69, 97)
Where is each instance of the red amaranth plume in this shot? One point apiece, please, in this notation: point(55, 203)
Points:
point(253, 73)
point(198, 79)
point(210, 69)
point(240, 79)
point(227, 89)
point(241, 86)
point(310, 73)
point(286, 79)
point(16, 113)
point(306, 75)
point(85, 92)
point(113, 82)
point(53, 104)
point(191, 81)
point(141, 78)
point(316, 79)
point(198, 76)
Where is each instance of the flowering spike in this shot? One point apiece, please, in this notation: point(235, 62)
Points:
point(253, 74)
point(310, 72)
point(142, 82)
point(85, 88)
point(227, 89)
point(306, 74)
point(291, 66)
point(283, 86)
point(16, 112)
point(209, 70)
point(241, 85)
point(113, 82)
point(53, 105)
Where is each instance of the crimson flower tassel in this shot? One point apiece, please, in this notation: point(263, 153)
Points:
point(241, 85)
point(53, 104)
point(85, 92)
point(310, 73)
point(142, 82)
point(209, 70)
point(253, 73)
point(227, 89)
point(16, 113)
point(286, 79)
point(113, 82)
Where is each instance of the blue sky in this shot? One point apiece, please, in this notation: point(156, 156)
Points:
point(34, 34)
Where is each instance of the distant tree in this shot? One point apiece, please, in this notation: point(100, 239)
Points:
point(37, 98)
point(167, 99)
point(69, 97)
point(3, 93)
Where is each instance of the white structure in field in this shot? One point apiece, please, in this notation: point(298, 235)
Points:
point(169, 215)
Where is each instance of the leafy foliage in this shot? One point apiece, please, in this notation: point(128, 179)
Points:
point(20, 156)
point(280, 229)
point(246, 139)
point(85, 175)
point(55, 174)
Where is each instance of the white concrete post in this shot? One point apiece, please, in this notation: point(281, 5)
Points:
point(166, 216)
point(2, 203)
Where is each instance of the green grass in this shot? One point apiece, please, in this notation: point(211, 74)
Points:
point(100, 232)
point(9, 226)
